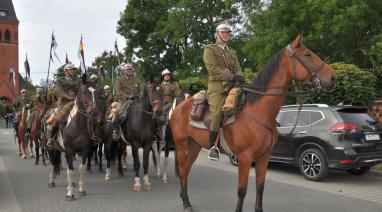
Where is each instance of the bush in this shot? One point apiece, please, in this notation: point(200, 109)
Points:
point(354, 87)
point(194, 84)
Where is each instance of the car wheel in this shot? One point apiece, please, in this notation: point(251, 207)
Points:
point(313, 165)
point(360, 170)
point(234, 160)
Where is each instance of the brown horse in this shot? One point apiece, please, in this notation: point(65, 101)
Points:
point(23, 146)
point(36, 134)
point(254, 133)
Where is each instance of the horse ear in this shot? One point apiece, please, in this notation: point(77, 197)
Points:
point(297, 41)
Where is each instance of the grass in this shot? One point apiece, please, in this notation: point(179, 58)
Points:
point(378, 167)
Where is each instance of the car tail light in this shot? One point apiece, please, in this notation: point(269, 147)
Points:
point(343, 128)
point(346, 161)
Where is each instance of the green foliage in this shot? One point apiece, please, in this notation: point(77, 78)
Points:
point(337, 30)
point(193, 84)
point(2, 103)
point(354, 86)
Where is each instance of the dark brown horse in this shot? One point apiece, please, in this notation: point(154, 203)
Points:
point(36, 130)
point(77, 135)
point(254, 133)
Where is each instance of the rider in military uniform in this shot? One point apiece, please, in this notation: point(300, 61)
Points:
point(33, 106)
point(170, 91)
point(66, 89)
point(127, 87)
point(19, 103)
point(223, 69)
point(109, 96)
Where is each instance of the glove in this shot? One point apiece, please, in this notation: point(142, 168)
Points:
point(238, 79)
point(227, 76)
point(84, 78)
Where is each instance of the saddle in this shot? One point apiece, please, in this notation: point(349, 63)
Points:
point(200, 116)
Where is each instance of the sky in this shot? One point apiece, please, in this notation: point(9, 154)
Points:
point(96, 20)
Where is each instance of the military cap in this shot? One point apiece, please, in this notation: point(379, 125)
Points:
point(23, 90)
point(69, 66)
point(166, 71)
point(38, 90)
point(126, 66)
point(93, 76)
point(106, 87)
point(224, 27)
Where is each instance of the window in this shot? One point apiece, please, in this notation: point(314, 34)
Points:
point(1, 36)
point(315, 116)
point(7, 35)
point(291, 118)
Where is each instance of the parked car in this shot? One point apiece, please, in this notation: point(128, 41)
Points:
point(327, 137)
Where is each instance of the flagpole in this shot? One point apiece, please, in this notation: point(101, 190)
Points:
point(26, 74)
point(50, 55)
point(112, 80)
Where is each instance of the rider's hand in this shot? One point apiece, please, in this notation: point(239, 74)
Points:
point(228, 76)
point(238, 79)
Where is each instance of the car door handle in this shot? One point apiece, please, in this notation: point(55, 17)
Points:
point(301, 132)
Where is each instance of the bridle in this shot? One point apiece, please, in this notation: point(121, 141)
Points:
point(151, 99)
point(299, 94)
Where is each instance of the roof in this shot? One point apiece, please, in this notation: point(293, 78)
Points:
point(7, 6)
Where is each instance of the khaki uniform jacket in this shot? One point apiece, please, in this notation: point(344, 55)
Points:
point(170, 91)
point(217, 60)
point(66, 87)
point(19, 103)
point(125, 87)
point(34, 102)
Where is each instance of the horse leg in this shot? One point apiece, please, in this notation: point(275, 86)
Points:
point(244, 168)
point(165, 163)
point(81, 183)
point(157, 158)
point(100, 157)
point(108, 169)
point(146, 155)
point(55, 161)
point(95, 153)
point(261, 170)
point(137, 185)
point(120, 153)
point(70, 175)
point(124, 158)
point(88, 158)
point(37, 150)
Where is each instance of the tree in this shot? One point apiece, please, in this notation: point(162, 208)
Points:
point(337, 30)
point(172, 33)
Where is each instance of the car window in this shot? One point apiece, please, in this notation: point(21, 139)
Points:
point(291, 117)
point(315, 116)
point(279, 117)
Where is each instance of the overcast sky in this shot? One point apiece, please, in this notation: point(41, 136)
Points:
point(96, 20)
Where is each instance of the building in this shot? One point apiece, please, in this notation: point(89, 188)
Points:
point(9, 51)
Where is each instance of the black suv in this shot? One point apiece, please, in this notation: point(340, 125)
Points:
point(327, 137)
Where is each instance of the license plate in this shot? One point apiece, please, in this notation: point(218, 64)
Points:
point(372, 137)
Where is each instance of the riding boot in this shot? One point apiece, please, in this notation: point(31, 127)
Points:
point(116, 124)
point(53, 137)
point(213, 153)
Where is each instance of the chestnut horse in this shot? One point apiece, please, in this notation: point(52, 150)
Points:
point(36, 131)
point(21, 128)
point(254, 133)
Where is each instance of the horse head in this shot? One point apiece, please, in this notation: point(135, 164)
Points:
point(154, 94)
point(305, 65)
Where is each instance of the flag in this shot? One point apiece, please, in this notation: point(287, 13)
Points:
point(27, 68)
point(81, 56)
point(116, 51)
point(12, 76)
point(101, 71)
point(53, 47)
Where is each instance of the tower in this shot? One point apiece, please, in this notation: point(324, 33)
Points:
point(9, 51)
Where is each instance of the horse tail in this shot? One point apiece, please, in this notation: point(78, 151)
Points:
point(55, 160)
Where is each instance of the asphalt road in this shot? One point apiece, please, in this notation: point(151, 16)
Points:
point(212, 187)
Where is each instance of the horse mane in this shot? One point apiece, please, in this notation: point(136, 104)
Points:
point(262, 80)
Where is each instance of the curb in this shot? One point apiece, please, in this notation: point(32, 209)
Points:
point(375, 172)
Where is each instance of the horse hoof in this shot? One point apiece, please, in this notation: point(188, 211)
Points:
point(82, 193)
point(70, 198)
point(189, 209)
point(31, 156)
point(157, 176)
point(137, 188)
point(19, 153)
point(107, 178)
point(258, 210)
point(51, 185)
point(147, 187)
point(164, 181)
point(24, 157)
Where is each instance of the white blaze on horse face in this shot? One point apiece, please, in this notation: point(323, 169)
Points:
point(72, 113)
point(91, 89)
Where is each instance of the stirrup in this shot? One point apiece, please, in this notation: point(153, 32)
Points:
point(214, 153)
